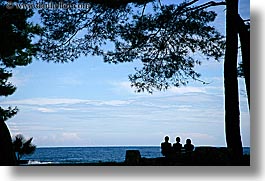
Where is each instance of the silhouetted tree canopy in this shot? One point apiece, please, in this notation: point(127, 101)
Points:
point(23, 146)
point(170, 39)
point(167, 38)
point(16, 49)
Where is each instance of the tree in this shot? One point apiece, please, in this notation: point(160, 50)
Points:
point(23, 146)
point(244, 66)
point(232, 119)
point(16, 49)
point(166, 40)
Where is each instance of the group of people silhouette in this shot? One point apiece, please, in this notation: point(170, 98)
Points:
point(168, 150)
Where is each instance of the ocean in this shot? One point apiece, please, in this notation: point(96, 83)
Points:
point(72, 155)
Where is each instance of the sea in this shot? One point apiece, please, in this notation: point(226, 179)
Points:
point(79, 155)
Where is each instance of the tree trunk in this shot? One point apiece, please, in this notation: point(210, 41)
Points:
point(7, 154)
point(232, 117)
point(244, 35)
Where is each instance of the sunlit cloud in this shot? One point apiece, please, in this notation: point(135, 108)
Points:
point(187, 89)
point(63, 139)
point(45, 110)
point(44, 101)
point(51, 101)
point(125, 86)
point(193, 111)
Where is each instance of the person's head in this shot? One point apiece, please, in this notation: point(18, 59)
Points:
point(166, 138)
point(178, 139)
point(188, 141)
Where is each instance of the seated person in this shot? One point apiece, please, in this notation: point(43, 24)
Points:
point(177, 146)
point(188, 146)
point(166, 148)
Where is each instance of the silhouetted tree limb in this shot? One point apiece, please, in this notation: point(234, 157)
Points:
point(209, 4)
point(244, 35)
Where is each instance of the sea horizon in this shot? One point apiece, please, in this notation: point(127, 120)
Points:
point(93, 154)
point(83, 146)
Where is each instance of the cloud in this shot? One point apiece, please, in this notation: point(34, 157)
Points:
point(196, 137)
point(61, 139)
point(45, 110)
point(69, 137)
point(187, 89)
point(29, 126)
point(51, 101)
point(192, 112)
point(202, 136)
point(125, 87)
point(44, 101)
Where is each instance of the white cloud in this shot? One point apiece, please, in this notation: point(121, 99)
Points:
point(44, 101)
point(125, 87)
point(45, 110)
point(197, 138)
point(116, 102)
point(69, 137)
point(26, 127)
point(201, 136)
point(187, 89)
point(61, 139)
point(190, 112)
point(51, 101)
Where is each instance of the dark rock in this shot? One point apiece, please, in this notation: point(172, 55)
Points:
point(133, 157)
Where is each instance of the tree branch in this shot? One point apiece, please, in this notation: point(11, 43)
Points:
point(209, 4)
point(143, 11)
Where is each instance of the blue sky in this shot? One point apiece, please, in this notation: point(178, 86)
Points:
point(90, 103)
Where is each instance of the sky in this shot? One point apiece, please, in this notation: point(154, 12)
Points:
point(91, 103)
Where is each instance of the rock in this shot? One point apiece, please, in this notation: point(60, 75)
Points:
point(133, 157)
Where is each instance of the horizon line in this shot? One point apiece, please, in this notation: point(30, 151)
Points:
point(87, 146)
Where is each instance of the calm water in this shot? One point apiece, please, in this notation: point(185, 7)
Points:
point(91, 154)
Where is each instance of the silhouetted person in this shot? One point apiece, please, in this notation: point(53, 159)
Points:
point(166, 148)
point(177, 146)
point(188, 146)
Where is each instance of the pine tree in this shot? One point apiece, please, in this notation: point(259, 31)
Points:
point(16, 49)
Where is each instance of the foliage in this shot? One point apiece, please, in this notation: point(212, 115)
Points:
point(6, 89)
point(16, 48)
point(168, 44)
point(23, 146)
point(168, 40)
